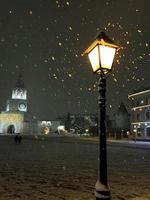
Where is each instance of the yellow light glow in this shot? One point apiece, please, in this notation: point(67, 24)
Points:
point(94, 59)
point(101, 58)
point(101, 53)
point(46, 130)
point(11, 117)
point(107, 56)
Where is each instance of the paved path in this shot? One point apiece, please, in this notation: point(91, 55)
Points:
point(60, 168)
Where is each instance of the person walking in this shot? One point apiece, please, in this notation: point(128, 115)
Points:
point(134, 135)
point(128, 135)
point(18, 138)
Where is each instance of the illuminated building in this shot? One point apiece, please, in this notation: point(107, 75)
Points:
point(16, 118)
point(140, 112)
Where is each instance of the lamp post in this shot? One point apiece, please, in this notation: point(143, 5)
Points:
point(101, 55)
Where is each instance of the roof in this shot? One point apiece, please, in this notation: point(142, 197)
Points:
point(139, 92)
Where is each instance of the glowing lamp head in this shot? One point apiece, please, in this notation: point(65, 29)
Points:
point(101, 54)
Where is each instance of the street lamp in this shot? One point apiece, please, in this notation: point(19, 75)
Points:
point(101, 55)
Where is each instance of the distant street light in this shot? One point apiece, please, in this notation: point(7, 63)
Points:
point(101, 55)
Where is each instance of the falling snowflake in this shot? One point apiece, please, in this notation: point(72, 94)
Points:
point(53, 58)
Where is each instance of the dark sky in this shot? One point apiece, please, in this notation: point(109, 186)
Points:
point(47, 38)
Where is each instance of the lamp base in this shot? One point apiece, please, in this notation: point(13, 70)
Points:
point(102, 192)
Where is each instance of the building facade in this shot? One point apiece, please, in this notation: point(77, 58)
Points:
point(16, 118)
point(140, 112)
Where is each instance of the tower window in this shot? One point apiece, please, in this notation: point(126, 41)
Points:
point(138, 116)
point(147, 115)
point(137, 103)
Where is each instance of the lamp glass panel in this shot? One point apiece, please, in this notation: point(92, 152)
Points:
point(107, 56)
point(94, 59)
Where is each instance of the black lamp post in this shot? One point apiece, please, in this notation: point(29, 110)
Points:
point(101, 54)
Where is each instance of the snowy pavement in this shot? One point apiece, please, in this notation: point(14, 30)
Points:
point(62, 168)
point(123, 142)
point(131, 143)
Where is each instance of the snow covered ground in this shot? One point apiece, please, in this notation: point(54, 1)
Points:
point(61, 168)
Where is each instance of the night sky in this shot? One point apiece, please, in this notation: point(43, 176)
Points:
point(47, 38)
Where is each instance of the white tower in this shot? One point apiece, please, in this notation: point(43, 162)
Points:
point(18, 101)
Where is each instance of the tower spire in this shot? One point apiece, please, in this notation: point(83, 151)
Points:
point(20, 81)
point(19, 91)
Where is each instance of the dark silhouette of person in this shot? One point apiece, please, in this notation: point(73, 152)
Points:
point(11, 129)
point(18, 139)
